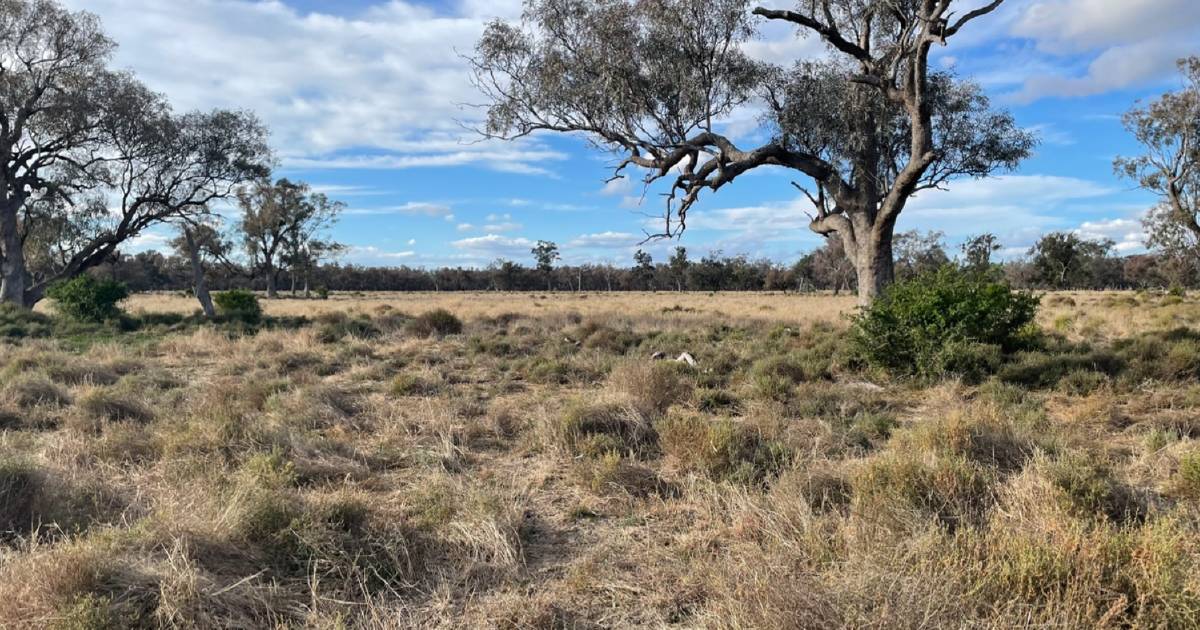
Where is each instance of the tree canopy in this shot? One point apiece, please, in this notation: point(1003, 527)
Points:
point(655, 81)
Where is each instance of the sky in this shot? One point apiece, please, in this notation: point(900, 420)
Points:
point(370, 102)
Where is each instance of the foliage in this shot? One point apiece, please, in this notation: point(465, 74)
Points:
point(239, 304)
point(86, 299)
point(911, 328)
point(1063, 260)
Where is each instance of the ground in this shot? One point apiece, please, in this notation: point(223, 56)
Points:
point(359, 462)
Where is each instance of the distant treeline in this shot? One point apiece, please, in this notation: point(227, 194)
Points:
point(1058, 261)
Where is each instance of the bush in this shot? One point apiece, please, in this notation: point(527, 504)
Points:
point(438, 322)
point(239, 304)
point(909, 328)
point(87, 299)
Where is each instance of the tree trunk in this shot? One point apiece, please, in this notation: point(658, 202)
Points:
point(874, 267)
point(199, 286)
point(13, 273)
point(272, 281)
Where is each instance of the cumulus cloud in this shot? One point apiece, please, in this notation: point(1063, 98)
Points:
point(1127, 44)
point(1128, 234)
point(379, 89)
point(494, 245)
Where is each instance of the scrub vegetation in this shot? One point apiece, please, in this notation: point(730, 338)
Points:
point(425, 462)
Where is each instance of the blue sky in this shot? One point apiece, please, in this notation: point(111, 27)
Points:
point(365, 101)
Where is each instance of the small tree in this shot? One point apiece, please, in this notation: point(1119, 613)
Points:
point(1168, 129)
point(977, 252)
point(1064, 260)
point(918, 253)
point(280, 223)
point(200, 243)
point(643, 269)
point(545, 254)
point(678, 265)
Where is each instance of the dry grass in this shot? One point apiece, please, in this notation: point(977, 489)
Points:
point(539, 470)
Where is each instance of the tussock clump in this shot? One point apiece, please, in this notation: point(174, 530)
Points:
point(335, 327)
point(435, 323)
point(319, 406)
point(905, 490)
point(596, 429)
point(596, 335)
point(652, 387)
point(1087, 489)
point(20, 484)
point(111, 405)
point(614, 475)
point(33, 391)
point(20, 323)
point(722, 449)
point(413, 384)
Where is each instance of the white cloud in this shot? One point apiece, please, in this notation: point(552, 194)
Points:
point(1073, 26)
point(412, 208)
point(495, 245)
point(1134, 43)
point(502, 227)
point(382, 89)
point(1128, 234)
point(371, 255)
point(610, 239)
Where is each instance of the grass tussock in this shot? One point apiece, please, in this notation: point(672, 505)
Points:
point(502, 461)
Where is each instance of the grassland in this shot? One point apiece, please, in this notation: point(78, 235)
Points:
point(369, 467)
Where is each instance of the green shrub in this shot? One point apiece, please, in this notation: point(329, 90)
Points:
point(1188, 481)
point(239, 304)
point(438, 322)
point(322, 293)
point(908, 328)
point(87, 299)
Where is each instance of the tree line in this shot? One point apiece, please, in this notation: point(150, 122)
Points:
point(1059, 260)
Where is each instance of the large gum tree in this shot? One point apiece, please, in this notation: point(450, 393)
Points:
point(89, 157)
point(869, 125)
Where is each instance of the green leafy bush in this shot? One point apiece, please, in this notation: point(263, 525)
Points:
point(239, 304)
point(87, 299)
point(943, 321)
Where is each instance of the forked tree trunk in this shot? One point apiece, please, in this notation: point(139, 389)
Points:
point(199, 285)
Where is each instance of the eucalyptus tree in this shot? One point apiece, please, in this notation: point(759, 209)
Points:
point(1168, 129)
point(282, 223)
point(201, 243)
point(89, 157)
point(652, 80)
point(545, 254)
